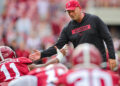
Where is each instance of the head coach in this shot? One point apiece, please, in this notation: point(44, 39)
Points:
point(83, 28)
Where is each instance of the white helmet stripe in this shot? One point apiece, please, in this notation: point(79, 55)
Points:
point(1, 56)
point(86, 55)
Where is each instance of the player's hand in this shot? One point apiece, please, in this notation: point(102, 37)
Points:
point(112, 63)
point(64, 49)
point(35, 56)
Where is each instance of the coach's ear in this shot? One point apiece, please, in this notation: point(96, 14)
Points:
point(112, 63)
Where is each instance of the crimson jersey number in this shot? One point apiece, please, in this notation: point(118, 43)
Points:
point(86, 78)
point(51, 74)
point(7, 73)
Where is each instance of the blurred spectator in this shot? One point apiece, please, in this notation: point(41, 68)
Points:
point(13, 45)
point(55, 27)
point(53, 7)
point(10, 32)
point(21, 8)
point(2, 36)
point(31, 8)
point(83, 4)
point(22, 51)
point(44, 28)
point(43, 12)
point(23, 25)
point(48, 41)
point(107, 3)
point(116, 43)
point(33, 41)
point(2, 3)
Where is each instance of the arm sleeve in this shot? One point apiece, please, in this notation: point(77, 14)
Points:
point(60, 43)
point(105, 34)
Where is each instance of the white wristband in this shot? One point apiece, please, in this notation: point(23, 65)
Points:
point(59, 56)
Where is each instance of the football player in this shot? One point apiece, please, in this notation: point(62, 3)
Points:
point(59, 58)
point(10, 66)
point(86, 71)
point(45, 73)
point(44, 76)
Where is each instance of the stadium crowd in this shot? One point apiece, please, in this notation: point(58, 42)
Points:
point(24, 22)
point(107, 3)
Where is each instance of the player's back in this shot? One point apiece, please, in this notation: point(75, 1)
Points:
point(88, 77)
point(46, 75)
point(13, 68)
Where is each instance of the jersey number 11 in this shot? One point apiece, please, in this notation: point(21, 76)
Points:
point(6, 72)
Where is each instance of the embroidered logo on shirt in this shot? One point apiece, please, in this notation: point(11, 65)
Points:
point(81, 29)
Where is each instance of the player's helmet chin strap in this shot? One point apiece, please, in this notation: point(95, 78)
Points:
point(1, 56)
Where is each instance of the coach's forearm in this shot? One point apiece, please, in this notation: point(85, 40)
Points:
point(49, 52)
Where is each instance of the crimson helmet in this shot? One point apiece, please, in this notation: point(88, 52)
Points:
point(86, 54)
point(6, 52)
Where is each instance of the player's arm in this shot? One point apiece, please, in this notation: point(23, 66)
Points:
point(105, 34)
point(52, 61)
point(59, 58)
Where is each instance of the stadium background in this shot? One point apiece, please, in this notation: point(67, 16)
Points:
point(36, 24)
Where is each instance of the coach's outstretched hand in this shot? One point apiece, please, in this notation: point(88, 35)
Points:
point(35, 56)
